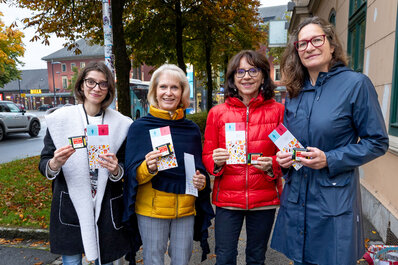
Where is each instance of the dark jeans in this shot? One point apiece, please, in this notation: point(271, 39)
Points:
point(304, 263)
point(228, 225)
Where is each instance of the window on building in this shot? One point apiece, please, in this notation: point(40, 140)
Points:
point(64, 82)
point(82, 65)
point(72, 65)
point(63, 67)
point(332, 17)
point(393, 126)
point(356, 33)
point(277, 73)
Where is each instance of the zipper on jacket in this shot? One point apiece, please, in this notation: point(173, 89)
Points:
point(247, 167)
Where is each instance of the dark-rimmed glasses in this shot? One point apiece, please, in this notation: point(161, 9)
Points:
point(90, 83)
point(316, 41)
point(253, 72)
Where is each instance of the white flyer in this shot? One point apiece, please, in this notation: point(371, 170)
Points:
point(190, 171)
point(97, 143)
point(235, 142)
point(285, 141)
point(161, 140)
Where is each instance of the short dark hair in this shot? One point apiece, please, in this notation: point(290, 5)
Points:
point(256, 59)
point(99, 67)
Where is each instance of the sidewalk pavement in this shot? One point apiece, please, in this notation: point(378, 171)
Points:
point(31, 252)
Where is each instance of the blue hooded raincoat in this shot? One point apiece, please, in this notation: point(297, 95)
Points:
point(319, 220)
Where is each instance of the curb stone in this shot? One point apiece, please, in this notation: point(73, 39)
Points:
point(26, 233)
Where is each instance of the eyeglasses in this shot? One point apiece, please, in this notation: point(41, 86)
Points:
point(253, 72)
point(316, 41)
point(90, 83)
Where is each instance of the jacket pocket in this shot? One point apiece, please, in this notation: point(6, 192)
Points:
point(335, 194)
point(67, 212)
point(117, 211)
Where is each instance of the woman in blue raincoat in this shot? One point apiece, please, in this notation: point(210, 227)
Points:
point(334, 112)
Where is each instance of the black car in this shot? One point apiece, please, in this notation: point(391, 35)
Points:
point(44, 107)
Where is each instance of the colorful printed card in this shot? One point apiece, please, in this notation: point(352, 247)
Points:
point(285, 141)
point(98, 143)
point(235, 142)
point(159, 138)
point(189, 162)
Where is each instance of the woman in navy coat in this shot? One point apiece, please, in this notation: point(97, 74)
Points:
point(334, 112)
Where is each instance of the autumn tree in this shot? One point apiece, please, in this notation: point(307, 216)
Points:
point(153, 32)
point(73, 20)
point(11, 47)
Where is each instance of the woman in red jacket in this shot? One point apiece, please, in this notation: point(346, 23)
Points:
point(247, 185)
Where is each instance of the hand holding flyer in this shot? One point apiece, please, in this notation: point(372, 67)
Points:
point(98, 143)
point(285, 141)
point(235, 142)
point(162, 141)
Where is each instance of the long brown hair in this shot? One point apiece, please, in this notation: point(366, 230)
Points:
point(293, 71)
point(253, 58)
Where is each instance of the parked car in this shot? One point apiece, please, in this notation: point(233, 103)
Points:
point(45, 107)
point(15, 120)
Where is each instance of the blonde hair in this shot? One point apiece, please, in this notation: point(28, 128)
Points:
point(175, 71)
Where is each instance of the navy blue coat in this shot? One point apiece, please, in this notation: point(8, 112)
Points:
point(320, 219)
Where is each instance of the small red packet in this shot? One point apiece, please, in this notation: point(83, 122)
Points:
point(77, 142)
point(252, 158)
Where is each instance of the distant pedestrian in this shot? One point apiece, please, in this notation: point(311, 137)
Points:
point(165, 212)
point(334, 112)
point(87, 202)
point(248, 190)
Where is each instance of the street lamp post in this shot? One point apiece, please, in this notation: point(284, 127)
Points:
point(52, 71)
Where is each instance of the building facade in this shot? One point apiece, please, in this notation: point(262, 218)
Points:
point(268, 16)
point(31, 90)
point(367, 29)
point(61, 65)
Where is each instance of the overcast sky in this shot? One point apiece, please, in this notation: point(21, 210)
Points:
point(35, 50)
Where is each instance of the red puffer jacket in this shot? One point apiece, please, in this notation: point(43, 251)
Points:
point(241, 185)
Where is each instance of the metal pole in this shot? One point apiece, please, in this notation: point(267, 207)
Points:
point(108, 40)
point(55, 95)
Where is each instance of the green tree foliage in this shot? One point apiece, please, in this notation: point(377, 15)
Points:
point(204, 33)
point(228, 27)
point(11, 47)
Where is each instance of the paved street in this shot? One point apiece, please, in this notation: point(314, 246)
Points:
point(21, 145)
point(24, 254)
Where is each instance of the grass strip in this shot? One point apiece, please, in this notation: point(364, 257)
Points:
point(25, 195)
